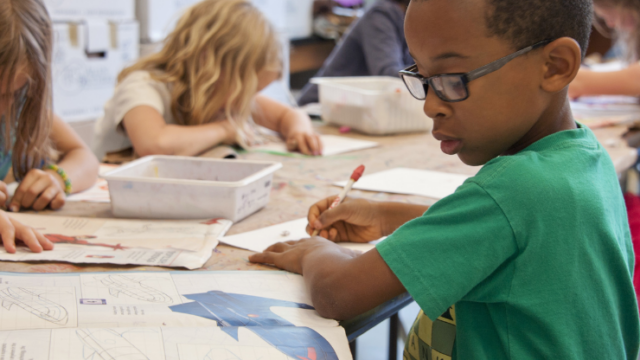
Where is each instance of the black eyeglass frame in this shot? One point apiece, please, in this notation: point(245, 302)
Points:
point(465, 78)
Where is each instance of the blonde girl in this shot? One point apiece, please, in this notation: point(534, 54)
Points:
point(201, 89)
point(621, 19)
point(31, 137)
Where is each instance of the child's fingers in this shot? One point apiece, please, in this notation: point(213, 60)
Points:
point(314, 144)
point(35, 190)
point(316, 209)
point(45, 198)
point(332, 216)
point(319, 146)
point(263, 258)
point(21, 191)
point(4, 195)
point(44, 242)
point(302, 145)
point(279, 247)
point(28, 237)
point(58, 201)
point(8, 233)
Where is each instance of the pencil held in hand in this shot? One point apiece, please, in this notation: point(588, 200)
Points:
point(355, 176)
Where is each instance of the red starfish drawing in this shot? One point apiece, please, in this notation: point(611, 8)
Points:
point(75, 240)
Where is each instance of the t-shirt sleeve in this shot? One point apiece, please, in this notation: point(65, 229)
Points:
point(137, 89)
point(382, 45)
point(459, 242)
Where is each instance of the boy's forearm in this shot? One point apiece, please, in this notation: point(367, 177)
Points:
point(394, 214)
point(344, 284)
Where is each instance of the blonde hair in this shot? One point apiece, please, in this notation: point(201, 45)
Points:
point(25, 44)
point(212, 60)
point(630, 41)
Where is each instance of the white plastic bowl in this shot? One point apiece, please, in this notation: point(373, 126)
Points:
point(375, 105)
point(176, 187)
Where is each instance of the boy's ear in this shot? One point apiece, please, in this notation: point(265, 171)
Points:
point(562, 62)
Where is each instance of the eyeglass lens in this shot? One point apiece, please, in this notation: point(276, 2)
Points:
point(447, 87)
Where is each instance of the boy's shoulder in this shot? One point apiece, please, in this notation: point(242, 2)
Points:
point(564, 155)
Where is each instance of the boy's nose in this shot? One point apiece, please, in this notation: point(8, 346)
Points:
point(435, 108)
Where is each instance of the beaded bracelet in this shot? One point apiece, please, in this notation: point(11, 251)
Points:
point(63, 175)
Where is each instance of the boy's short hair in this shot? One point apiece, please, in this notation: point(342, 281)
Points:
point(526, 22)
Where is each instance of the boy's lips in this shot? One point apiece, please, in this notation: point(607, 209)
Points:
point(449, 145)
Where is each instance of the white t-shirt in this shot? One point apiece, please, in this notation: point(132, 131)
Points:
point(138, 89)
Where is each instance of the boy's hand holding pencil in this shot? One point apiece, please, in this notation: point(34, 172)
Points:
point(354, 220)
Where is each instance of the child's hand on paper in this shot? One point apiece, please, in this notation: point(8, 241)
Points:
point(4, 195)
point(230, 132)
point(39, 189)
point(305, 141)
point(354, 220)
point(12, 230)
point(289, 255)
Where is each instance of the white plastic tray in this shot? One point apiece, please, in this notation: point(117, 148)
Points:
point(176, 187)
point(375, 105)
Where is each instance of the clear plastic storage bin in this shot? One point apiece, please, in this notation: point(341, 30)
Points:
point(375, 105)
point(175, 187)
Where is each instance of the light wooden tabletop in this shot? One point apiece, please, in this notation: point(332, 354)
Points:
point(302, 181)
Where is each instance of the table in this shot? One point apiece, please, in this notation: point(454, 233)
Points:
point(302, 181)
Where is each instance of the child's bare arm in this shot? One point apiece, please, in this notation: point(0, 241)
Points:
point(623, 82)
point(342, 283)
point(293, 124)
point(77, 160)
point(151, 135)
point(42, 188)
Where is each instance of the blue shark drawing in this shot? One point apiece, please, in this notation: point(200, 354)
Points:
point(232, 311)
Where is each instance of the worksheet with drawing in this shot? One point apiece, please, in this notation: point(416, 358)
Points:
point(163, 315)
point(141, 242)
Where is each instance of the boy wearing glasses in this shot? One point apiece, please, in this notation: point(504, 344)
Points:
point(534, 251)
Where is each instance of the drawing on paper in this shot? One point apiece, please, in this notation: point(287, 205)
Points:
point(215, 355)
point(133, 288)
point(107, 344)
point(79, 240)
point(35, 304)
point(231, 311)
point(122, 231)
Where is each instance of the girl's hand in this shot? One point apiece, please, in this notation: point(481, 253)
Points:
point(307, 142)
point(355, 220)
point(12, 230)
point(230, 136)
point(581, 85)
point(4, 195)
point(38, 190)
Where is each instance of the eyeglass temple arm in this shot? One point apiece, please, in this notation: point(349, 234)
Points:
point(496, 65)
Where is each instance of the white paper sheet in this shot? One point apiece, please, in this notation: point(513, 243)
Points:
point(433, 184)
point(259, 240)
point(164, 316)
point(141, 242)
point(332, 145)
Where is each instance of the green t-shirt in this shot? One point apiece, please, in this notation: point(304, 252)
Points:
point(535, 253)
